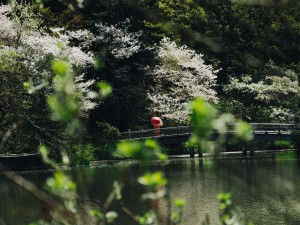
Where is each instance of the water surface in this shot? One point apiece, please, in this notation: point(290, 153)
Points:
point(264, 189)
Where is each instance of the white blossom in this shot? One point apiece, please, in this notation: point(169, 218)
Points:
point(281, 115)
point(84, 86)
point(180, 77)
point(7, 30)
point(59, 47)
point(21, 35)
point(275, 91)
point(18, 21)
point(85, 37)
point(121, 42)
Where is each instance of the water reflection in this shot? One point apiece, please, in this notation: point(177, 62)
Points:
point(265, 189)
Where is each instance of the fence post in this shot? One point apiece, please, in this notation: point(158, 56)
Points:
point(296, 139)
point(252, 147)
point(129, 133)
point(200, 151)
point(244, 148)
point(192, 152)
point(297, 142)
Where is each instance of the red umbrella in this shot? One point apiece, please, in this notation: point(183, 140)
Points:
point(156, 121)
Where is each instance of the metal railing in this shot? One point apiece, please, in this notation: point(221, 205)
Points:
point(273, 127)
point(267, 128)
point(166, 131)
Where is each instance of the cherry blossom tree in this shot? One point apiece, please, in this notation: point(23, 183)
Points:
point(126, 56)
point(121, 42)
point(180, 76)
point(278, 91)
point(29, 50)
point(24, 35)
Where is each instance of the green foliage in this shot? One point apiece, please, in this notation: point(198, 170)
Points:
point(104, 138)
point(228, 215)
point(81, 154)
point(225, 200)
point(236, 145)
point(179, 204)
point(97, 214)
point(60, 68)
point(55, 14)
point(105, 151)
point(27, 113)
point(276, 145)
point(43, 150)
point(99, 64)
point(147, 218)
point(173, 16)
point(111, 216)
point(144, 151)
point(243, 131)
point(233, 145)
point(184, 13)
point(104, 89)
point(61, 186)
point(153, 181)
point(107, 132)
point(65, 103)
point(284, 145)
point(210, 130)
point(202, 118)
point(234, 106)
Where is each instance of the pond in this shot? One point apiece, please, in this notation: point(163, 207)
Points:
point(264, 189)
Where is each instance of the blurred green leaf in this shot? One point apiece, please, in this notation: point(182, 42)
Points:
point(224, 196)
point(63, 108)
point(153, 180)
point(60, 183)
point(65, 158)
point(202, 113)
point(243, 131)
point(60, 68)
point(117, 188)
point(147, 218)
point(201, 118)
point(175, 216)
point(97, 214)
point(179, 203)
point(130, 149)
point(104, 89)
point(144, 151)
point(44, 153)
point(225, 200)
point(163, 157)
point(99, 64)
point(27, 85)
point(111, 216)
